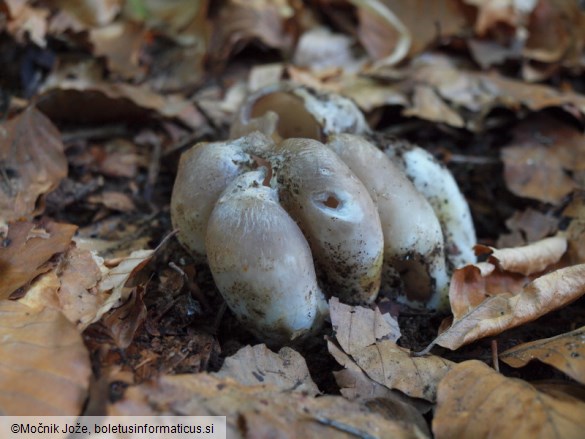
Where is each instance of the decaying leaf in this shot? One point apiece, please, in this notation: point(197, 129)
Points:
point(545, 159)
point(241, 22)
point(26, 252)
point(410, 32)
point(357, 327)
point(508, 310)
point(121, 43)
point(475, 401)
point(396, 368)
point(526, 226)
point(32, 163)
point(286, 369)
point(114, 281)
point(84, 289)
point(355, 385)
point(261, 410)
point(123, 322)
point(565, 352)
point(103, 102)
point(44, 364)
point(529, 259)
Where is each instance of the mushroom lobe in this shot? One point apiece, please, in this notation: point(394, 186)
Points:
point(261, 262)
point(204, 172)
point(336, 214)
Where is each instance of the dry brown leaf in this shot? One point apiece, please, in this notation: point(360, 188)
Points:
point(260, 411)
point(90, 12)
point(380, 38)
point(84, 289)
point(471, 94)
point(121, 43)
point(26, 251)
point(355, 385)
point(27, 22)
point(565, 352)
point(240, 22)
point(113, 200)
point(427, 105)
point(286, 370)
point(357, 327)
point(123, 322)
point(32, 163)
point(474, 401)
point(44, 364)
point(473, 284)
point(508, 310)
point(545, 160)
point(102, 102)
point(114, 282)
point(396, 368)
point(528, 225)
point(529, 259)
point(79, 298)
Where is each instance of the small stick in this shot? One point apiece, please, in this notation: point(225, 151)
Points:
point(495, 360)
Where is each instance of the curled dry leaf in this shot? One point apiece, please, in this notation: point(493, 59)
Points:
point(26, 250)
point(527, 260)
point(123, 322)
point(84, 289)
point(44, 364)
point(510, 309)
point(565, 352)
point(286, 369)
point(70, 100)
point(261, 410)
point(475, 401)
point(395, 29)
point(115, 280)
point(240, 22)
point(357, 327)
point(471, 94)
point(32, 163)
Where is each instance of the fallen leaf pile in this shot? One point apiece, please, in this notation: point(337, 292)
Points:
point(102, 311)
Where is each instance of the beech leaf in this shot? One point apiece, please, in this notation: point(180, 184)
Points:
point(475, 401)
point(507, 310)
point(44, 365)
point(565, 352)
point(32, 163)
point(286, 369)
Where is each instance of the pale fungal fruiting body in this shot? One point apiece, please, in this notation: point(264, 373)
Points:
point(339, 218)
point(302, 112)
point(262, 263)
point(336, 214)
point(204, 172)
point(437, 184)
point(413, 239)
